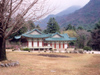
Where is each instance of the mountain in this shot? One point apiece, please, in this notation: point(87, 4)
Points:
point(68, 10)
point(86, 16)
point(43, 23)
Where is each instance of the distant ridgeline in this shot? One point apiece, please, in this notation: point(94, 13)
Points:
point(85, 17)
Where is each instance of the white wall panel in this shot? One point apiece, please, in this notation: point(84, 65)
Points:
point(30, 44)
point(66, 46)
point(40, 43)
point(35, 43)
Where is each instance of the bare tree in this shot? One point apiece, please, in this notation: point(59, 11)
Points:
point(95, 43)
point(12, 14)
point(83, 38)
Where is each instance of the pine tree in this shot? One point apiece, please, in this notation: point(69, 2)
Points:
point(74, 28)
point(38, 27)
point(80, 28)
point(31, 25)
point(97, 25)
point(70, 27)
point(96, 37)
point(21, 31)
point(52, 26)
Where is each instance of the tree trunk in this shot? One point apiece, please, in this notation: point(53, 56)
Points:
point(2, 49)
point(2, 44)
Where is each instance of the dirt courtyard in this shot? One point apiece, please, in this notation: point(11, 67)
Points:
point(52, 64)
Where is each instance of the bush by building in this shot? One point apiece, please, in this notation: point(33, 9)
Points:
point(87, 48)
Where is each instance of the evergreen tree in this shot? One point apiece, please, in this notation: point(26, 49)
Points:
point(97, 25)
point(80, 28)
point(45, 31)
point(38, 27)
point(96, 37)
point(74, 28)
point(31, 25)
point(70, 27)
point(21, 31)
point(52, 26)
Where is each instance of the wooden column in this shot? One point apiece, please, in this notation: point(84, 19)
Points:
point(43, 43)
point(38, 43)
point(63, 45)
point(46, 44)
point(67, 45)
point(32, 43)
point(59, 45)
point(51, 44)
point(55, 45)
point(27, 43)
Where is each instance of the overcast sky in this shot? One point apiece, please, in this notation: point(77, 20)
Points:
point(64, 4)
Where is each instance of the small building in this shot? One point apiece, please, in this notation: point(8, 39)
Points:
point(36, 40)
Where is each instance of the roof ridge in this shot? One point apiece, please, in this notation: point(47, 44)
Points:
point(28, 32)
point(56, 33)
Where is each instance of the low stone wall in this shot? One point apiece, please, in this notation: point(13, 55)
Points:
point(9, 63)
point(92, 52)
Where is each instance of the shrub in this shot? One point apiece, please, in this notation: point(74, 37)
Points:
point(75, 48)
point(44, 50)
point(80, 51)
point(13, 49)
point(21, 49)
point(55, 49)
point(9, 47)
point(87, 48)
point(65, 49)
point(26, 49)
point(51, 50)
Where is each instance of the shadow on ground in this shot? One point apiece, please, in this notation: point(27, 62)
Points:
point(53, 55)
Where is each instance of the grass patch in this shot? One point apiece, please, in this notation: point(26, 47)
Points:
point(52, 64)
point(53, 55)
point(94, 67)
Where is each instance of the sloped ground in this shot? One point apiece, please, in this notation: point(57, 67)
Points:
point(71, 33)
point(57, 64)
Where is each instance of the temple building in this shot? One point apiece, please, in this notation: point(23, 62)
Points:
point(36, 40)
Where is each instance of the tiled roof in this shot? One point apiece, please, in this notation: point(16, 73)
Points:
point(33, 30)
point(17, 37)
point(36, 36)
point(27, 34)
point(64, 38)
point(56, 34)
point(49, 37)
